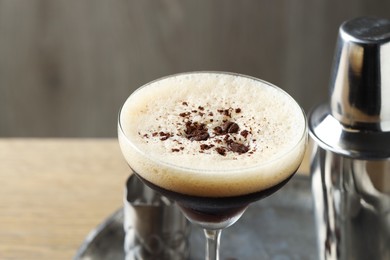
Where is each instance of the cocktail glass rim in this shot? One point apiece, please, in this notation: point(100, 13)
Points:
point(158, 161)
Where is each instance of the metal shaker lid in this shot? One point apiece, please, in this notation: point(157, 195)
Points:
point(356, 122)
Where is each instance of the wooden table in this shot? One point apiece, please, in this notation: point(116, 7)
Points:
point(53, 192)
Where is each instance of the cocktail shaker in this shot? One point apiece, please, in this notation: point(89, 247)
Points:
point(154, 226)
point(350, 162)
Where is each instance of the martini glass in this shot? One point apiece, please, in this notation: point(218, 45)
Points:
point(211, 196)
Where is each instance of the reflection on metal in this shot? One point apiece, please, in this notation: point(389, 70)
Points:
point(352, 205)
point(154, 227)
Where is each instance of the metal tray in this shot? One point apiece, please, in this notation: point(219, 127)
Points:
point(279, 227)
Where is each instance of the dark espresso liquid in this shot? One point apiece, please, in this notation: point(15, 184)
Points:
point(214, 209)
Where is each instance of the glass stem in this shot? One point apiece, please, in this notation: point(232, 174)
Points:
point(212, 246)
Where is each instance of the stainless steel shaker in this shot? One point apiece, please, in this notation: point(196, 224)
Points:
point(350, 162)
point(154, 226)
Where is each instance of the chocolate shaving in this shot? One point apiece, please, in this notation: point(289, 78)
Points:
point(244, 133)
point(223, 139)
point(221, 151)
point(184, 114)
point(232, 128)
point(218, 130)
point(238, 148)
point(225, 112)
point(196, 132)
point(206, 146)
point(227, 128)
point(164, 136)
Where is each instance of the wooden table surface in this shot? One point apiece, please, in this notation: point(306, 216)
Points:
point(53, 192)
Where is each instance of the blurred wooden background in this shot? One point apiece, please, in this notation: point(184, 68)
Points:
point(67, 66)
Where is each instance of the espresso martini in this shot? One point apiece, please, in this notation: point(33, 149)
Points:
point(214, 142)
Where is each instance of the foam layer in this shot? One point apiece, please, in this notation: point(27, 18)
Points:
point(212, 134)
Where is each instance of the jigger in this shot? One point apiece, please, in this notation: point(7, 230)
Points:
point(350, 165)
point(154, 226)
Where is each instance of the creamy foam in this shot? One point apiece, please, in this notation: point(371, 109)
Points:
point(212, 134)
